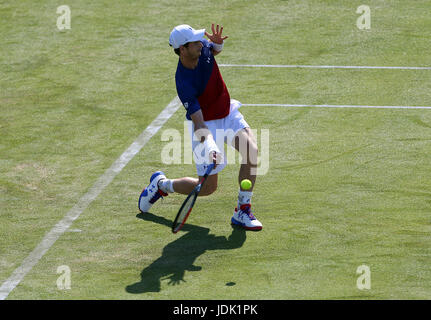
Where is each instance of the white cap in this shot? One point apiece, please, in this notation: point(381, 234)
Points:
point(182, 34)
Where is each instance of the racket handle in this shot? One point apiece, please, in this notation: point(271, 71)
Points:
point(209, 169)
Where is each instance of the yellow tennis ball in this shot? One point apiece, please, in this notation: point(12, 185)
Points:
point(246, 184)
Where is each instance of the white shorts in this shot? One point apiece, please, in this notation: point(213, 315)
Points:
point(223, 131)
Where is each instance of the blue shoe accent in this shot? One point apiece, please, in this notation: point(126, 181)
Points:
point(155, 174)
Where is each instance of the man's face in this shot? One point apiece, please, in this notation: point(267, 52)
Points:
point(194, 49)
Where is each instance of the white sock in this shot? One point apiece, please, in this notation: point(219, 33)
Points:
point(166, 185)
point(244, 197)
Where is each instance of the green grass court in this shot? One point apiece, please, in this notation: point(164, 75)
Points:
point(345, 187)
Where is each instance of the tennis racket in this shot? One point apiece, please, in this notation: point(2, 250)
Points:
point(188, 204)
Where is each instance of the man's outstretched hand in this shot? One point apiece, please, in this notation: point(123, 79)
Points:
point(216, 37)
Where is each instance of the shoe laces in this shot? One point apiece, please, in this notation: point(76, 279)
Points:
point(246, 209)
point(157, 195)
point(162, 194)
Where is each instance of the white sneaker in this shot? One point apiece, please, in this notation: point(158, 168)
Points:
point(244, 218)
point(152, 192)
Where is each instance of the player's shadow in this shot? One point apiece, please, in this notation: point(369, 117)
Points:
point(179, 255)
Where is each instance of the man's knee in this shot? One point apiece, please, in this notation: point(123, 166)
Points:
point(209, 187)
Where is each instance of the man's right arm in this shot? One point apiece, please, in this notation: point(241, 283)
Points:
point(187, 95)
point(199, 123)
point(201, 130)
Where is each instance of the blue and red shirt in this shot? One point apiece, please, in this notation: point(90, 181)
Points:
point(203, 87)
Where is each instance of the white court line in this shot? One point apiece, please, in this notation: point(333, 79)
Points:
point(329, 106)
point(51, 237)
point(319, 67)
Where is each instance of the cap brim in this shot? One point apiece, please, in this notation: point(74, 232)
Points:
point(198, 35)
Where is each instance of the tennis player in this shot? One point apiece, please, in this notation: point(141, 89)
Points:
point(211, 113)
